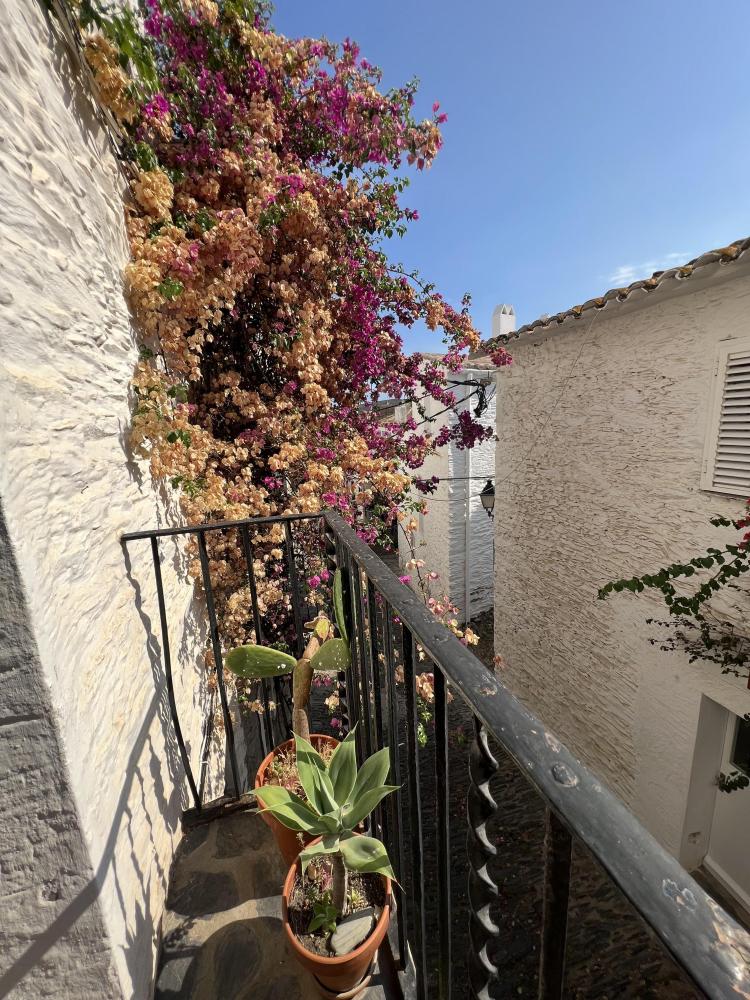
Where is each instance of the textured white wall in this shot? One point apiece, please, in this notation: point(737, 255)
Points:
point(601, 427)
point(70, 487)
point(434, 528)
point(480, 461)
point(443, 531)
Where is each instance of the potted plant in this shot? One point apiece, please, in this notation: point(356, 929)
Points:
point(336, 900)
point(323, 651)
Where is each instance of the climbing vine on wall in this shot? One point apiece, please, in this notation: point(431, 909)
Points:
point(268, 182)
point(687, 589)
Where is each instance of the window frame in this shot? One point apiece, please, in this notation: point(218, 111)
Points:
point(711, 442)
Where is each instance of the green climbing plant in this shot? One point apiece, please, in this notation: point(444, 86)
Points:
point(692, 625)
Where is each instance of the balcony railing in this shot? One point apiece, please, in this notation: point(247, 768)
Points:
point(394, 637)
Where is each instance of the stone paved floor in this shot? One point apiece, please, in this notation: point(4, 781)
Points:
point(222, 936)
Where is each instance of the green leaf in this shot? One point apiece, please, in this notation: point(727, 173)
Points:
point(342, 768)
point(366, 854)
point(204, 220)
point(145, 156)
point(170, 288)
point(338, 604)
point(258, 661)
point(290, 810)
point(333, 655)
point(314, 777)
point(372, 774)
point(328, 845)
point(325, 918)
point(364, 804)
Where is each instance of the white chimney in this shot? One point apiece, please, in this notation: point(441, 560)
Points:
point(503, 320)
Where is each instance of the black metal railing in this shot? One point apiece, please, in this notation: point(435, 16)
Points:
point(273, 727)
point(393, 638)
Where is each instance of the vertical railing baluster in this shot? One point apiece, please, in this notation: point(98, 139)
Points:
point(354, 674)
point(483, 890)
point(247, 548)
point(283, 716)
point(295, 589)
point(558, 853)
point(395, 845)
point(381, 814)
point(375, 661)
point(364, 682)
point(443, 833)
point(168, 673)
point(416, 882)
point(342, 678)
point(218, 662)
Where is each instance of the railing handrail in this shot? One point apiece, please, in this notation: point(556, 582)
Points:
point(197, 529)
point(704, 940)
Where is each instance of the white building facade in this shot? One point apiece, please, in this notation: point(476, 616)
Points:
point(614, 449)
point(455, 537)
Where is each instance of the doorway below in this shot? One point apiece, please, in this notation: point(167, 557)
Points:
point(718, 815)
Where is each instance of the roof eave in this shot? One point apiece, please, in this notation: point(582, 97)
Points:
point(636, 294)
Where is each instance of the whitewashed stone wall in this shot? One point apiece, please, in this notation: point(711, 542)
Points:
point(601, 426)
point(456, 522)
point(70, 486)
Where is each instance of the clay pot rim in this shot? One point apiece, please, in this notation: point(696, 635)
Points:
point(260, 774)
point(332, 963)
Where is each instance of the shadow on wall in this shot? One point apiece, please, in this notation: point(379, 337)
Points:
point(193, 640)
point(90, 893)
point(143, 754)
point(141, 935)
point(142, 925)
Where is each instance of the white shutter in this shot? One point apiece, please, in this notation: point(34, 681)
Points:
point(726, 466)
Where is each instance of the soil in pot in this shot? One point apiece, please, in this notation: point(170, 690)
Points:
point(364, 891)
point(282, 769)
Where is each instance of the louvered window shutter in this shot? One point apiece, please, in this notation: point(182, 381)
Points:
point(726, 467)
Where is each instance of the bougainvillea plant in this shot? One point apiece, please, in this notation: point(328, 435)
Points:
point(268, 175)
point(705, 633)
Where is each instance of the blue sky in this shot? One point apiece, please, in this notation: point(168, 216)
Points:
point(589, 142)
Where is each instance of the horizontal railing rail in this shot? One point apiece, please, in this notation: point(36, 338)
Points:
point(199, 529)
point(394, 637)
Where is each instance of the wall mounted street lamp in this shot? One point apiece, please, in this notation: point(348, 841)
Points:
point(487, 496)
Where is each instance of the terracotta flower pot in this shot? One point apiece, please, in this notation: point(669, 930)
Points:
point(287, 841)
point(340, 974)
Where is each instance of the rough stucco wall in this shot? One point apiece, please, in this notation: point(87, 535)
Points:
point(443, 529)
point(601, 430)
point(46, 876)
point(434, 529)
point(70, 487)
point(480, 461)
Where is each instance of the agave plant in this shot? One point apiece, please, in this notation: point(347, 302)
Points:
point(323, 651)
point(339, 798)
